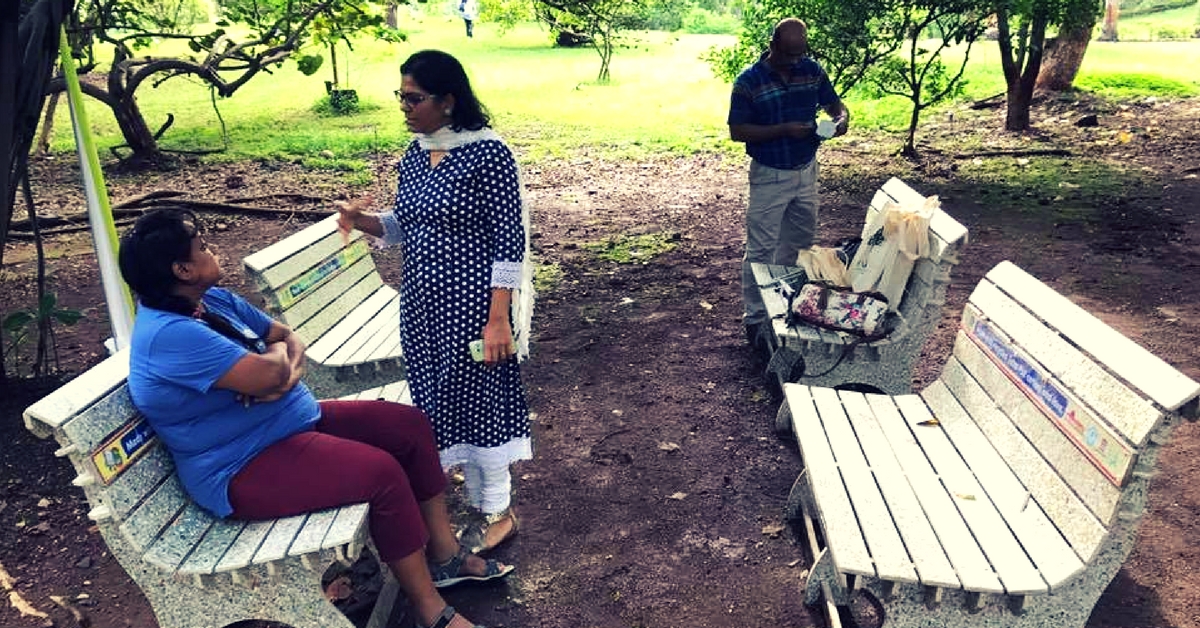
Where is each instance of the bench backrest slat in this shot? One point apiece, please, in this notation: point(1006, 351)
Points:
point(262, 261)
point(1143, 370)
point(1075, 467)
point(144, 524)
point(315, 307)
point(1129, 412)
point(946, 237)
point(180, 538)
point(68, 400)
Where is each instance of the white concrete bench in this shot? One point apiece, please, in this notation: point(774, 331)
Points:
point(806, 354)
point(1007, 492)
point(197, 571)
point(329, 292)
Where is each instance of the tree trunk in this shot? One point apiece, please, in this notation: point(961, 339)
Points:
point(42, 148)
point(1112, 10)
point(133, 127)
point(391, 17)
point(1064, 55)
point(1019, 101)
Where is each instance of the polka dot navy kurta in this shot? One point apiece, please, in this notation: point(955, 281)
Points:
point(460, 227)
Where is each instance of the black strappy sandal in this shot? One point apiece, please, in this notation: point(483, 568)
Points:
point(450, 573)
point(447, 616)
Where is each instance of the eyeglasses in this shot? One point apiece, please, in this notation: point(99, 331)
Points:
point(412, 99)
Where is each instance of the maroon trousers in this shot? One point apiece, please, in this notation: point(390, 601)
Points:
point(379, 452)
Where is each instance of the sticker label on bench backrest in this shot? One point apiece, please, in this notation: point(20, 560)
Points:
point(121, 449)
point(295, 290)
point(1090, 435)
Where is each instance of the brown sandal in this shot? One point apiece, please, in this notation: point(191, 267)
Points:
point(474, 537)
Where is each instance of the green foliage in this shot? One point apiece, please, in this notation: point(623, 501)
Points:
point(546, 277)
point(309, 64)
point(174, 16)
point(1124, 86)
point(639, 249)
point(846, 37)
point(21, 325)
point(1132, 8)
point(700, 21)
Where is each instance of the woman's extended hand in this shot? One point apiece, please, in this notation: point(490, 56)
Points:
point(353, 215)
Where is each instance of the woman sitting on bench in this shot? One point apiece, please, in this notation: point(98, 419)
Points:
point(219, 382)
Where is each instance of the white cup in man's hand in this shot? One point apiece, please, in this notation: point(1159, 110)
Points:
point(826, 129)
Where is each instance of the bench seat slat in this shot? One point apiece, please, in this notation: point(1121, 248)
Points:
point(1129, 412)
point(1012, 566)
point(1144, 370)
point(396, 391)
point(955, 538)
point(842, 534)
point(883, 539)
point(347, 527)
point(279, 251)
point(281, 537)
point(1085, 532)
point(151, 517)
point(180, 538)
point(67, 401)
point(204, 559)
point(316, 526)
point(370, 334)
point(1096, 491)
point(241, 552)
point(387, 350)
point(351, 323)
point(385, 341)
point(927, 557)
point(1045, 545)
point(320, 310)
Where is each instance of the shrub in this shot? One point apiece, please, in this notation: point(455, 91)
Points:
point(699, 21)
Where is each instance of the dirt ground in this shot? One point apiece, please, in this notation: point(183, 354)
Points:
point(656, 495)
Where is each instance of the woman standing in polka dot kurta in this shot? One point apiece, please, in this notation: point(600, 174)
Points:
point(460, 219)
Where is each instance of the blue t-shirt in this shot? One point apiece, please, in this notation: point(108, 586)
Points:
point(763, 96)
point(174, 361)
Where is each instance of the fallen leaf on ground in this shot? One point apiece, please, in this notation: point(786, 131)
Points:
point(677, 496)
point(772, 530)
point(668, 446)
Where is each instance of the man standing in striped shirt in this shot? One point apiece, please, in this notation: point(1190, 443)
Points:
point(774, 111)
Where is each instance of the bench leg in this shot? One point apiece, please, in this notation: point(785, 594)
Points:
point(293, 595)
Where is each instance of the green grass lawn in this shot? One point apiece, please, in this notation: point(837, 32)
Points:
point(662, 97)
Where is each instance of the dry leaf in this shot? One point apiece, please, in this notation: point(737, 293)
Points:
point(706, 305)
point(930, 423)
point(1125, 137)
point(668, 446)
point(966, 497)
point(772, 530)
point(677, 496)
